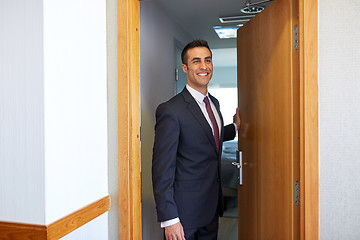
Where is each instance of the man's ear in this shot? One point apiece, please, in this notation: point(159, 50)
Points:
point(184, 68)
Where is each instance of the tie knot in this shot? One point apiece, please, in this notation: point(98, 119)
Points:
point(206, 101)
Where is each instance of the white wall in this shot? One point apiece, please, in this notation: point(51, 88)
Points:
point(111, 25)
point(75, 105)
point(22, 192)
point(157, 60)
point(94, 230)
point(339, 101)
point(53, 122)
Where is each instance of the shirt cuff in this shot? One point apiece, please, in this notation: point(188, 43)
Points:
point(235, 127)
point(169, 222)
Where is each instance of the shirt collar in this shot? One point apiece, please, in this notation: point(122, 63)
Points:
point(196, 94)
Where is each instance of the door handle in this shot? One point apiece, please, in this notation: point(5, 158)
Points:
point(238, 164)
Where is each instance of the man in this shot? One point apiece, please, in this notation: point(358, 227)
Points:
point(189, 133)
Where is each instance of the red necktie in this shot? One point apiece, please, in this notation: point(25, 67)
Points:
point(213, 122)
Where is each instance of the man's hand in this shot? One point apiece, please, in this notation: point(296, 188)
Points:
point(175, 232)
point(237, 118)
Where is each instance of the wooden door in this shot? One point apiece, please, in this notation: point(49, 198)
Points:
point(268, 90)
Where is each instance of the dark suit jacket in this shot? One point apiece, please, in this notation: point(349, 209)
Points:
point(186, 165)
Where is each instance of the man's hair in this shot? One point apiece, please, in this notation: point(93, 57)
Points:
point(193, 44)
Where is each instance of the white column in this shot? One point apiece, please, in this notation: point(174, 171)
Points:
point(53, 110)
point(22, 181)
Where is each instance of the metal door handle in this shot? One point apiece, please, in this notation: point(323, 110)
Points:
point(238, 164)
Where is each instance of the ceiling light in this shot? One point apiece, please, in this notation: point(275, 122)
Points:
point(253, 9)
point(226, 32)
point(233, 19)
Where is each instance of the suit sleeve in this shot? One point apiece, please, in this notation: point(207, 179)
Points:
point(166, 141)
point(229, 132)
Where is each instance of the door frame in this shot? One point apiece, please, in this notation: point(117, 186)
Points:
point(129, 156)
point(129, 176)
point(309, 127)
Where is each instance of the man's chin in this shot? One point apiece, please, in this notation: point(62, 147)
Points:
point(204, 81)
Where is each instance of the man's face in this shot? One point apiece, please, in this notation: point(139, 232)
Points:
point(199, 68)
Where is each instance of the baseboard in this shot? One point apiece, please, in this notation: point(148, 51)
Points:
point(55, 230)
point(22, 231)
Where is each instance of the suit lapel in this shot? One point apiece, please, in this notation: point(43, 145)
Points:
point(199, 116)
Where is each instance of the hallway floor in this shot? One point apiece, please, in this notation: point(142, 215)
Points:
point(228, 224)
point(228, 228)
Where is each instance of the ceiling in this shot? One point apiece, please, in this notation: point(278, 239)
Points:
point(199, 16)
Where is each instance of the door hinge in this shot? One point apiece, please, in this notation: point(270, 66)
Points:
point(297, 193)
point(176, 74)
point(296, 38)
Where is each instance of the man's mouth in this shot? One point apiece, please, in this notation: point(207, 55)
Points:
point(203, 74)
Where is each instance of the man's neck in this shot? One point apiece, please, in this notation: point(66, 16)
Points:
point(201, 89)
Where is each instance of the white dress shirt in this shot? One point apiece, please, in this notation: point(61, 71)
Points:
point(199, 97)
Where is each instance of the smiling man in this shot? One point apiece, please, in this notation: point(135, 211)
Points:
point(189, 133)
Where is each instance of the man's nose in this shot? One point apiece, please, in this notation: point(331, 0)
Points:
point(203, 65)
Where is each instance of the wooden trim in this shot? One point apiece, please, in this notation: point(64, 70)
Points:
point(22, 231)
point(77, 219)
point(309, 169)
point(129, 120)
point(56, 230)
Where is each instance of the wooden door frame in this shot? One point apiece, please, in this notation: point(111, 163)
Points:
point(129, 177)
point(129, 160)
point(309, 128)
